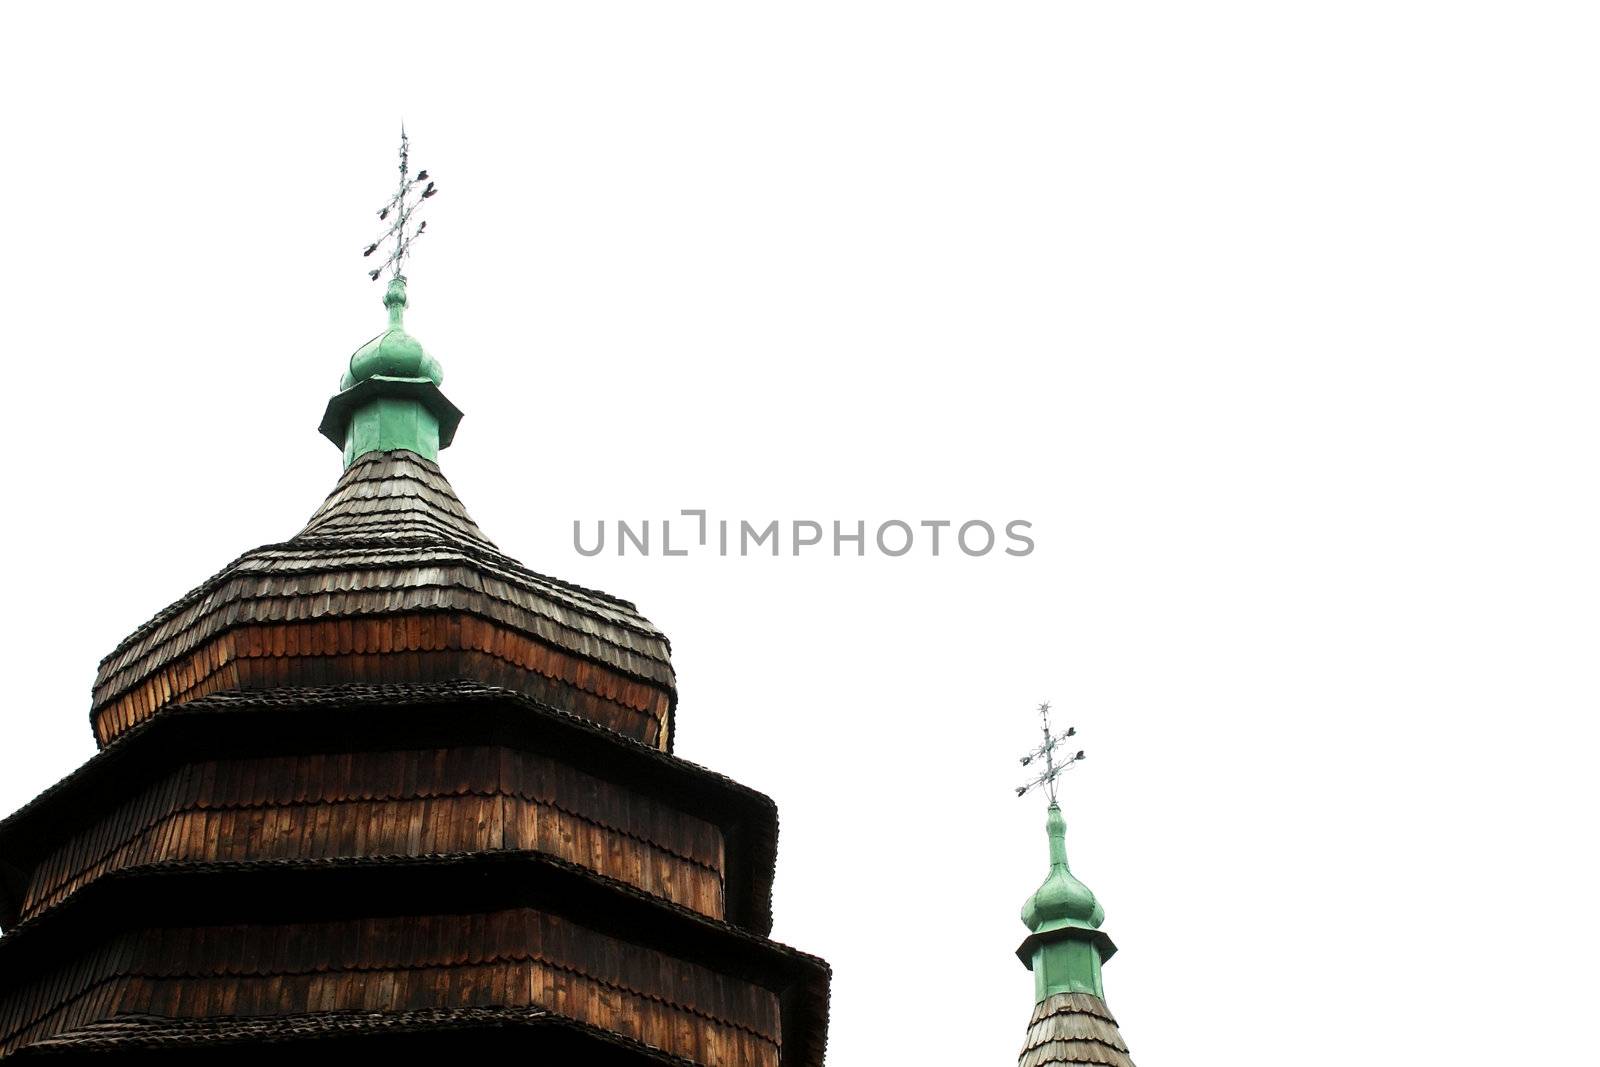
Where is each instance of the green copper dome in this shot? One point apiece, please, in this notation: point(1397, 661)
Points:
point(1062, 900)
point(389, 398)
point(393, 353)
point(1065, 946)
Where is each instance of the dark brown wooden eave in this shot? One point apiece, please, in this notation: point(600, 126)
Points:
point(302, 890)
point(239, 609)
point(530, 1034)
point(389, 545)
point(436, 578)
point(372, 717)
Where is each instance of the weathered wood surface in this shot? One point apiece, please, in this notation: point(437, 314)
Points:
point(1073, 1028)
point(400, 934)
point(392, 542)
point(518, 957)
point(104, 815)
point(407, 802)
point(384, 771)
point(405, 647)
point(488, 1034)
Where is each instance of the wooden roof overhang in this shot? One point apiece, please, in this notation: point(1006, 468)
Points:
point(368, 718)
point(531, 1035)
point(391, 580)
point(183, 895)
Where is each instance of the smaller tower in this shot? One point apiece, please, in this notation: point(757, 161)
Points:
point(1065, 947)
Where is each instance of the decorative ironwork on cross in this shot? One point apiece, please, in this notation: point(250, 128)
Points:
point(397, 239)
point(1053, 765)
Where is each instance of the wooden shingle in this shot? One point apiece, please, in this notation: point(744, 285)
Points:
point(393, 544)
point(1073, 1028)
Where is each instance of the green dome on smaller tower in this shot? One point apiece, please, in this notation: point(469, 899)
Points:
point(1065, 945)
point(393, 353)
point(1062, 900)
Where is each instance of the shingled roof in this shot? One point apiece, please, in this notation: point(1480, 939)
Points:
point(393, 539)
point(381, 791)
point(423, 714)
point(1073, 1028)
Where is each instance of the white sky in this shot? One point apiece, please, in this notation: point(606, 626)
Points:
point(1276, 320)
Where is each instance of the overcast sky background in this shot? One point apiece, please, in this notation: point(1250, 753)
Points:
point(1276, 320)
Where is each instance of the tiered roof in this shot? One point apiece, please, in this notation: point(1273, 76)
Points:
point(382, 788)
point(394, 543)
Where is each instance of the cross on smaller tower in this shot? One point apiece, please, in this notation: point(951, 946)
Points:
point(398, 237)
point(1053, 767)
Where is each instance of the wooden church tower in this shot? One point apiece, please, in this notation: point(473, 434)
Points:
point(380, 789)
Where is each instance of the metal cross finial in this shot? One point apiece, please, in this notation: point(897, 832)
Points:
point(1053, 765)
point(398, 237)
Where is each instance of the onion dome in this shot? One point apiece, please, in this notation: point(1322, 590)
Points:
point(389, 397)
point(393, 353)
point(392, 580)
point(1062, 900)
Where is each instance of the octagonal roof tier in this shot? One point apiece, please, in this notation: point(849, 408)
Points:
point(391, 581)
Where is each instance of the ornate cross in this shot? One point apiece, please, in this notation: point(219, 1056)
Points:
point(398, 212)
point(1053, 766)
